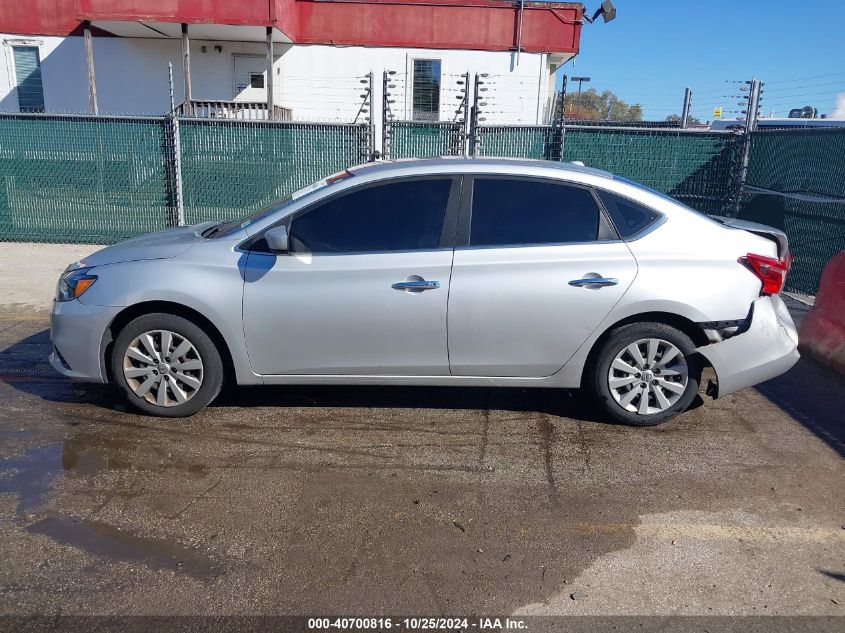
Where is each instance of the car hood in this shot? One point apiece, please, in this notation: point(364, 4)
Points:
point(160, 245)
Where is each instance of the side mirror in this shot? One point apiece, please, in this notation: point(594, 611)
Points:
point(277, 239)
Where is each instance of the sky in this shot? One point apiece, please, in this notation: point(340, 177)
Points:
point(656, 48)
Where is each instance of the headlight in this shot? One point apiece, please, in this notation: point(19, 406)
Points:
point(73, 283)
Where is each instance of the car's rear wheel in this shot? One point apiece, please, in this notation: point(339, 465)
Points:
point(646, 373)
point(166, 366)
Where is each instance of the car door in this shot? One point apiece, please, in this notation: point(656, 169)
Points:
point(536, 268)
point(364, 288)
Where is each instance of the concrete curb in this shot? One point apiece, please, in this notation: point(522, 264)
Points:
point(822, 332)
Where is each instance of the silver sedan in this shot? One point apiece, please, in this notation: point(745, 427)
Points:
point(490, 272)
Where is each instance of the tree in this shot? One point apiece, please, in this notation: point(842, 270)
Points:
point(676, 118)
point(592, 106)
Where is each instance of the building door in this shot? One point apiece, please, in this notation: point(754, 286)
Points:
point(250, 78)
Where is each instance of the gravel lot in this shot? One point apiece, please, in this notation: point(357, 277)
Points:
point(415, 501)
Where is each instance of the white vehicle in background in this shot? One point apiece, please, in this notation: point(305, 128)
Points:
point(727, 124)
point(486, 271)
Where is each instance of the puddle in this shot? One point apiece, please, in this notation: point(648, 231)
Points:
point(106, 541)
point(30, 476)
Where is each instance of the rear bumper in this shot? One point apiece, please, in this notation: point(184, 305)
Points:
point(76, 331)
point(767, 349)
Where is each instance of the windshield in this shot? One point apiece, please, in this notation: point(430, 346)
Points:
point(232, 226)
point(225, 229)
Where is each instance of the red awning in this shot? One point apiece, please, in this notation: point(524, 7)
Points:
point(552, 27)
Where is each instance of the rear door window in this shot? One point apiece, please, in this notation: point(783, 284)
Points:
point(513, 212)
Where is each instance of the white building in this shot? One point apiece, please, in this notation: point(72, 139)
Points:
point(80, 56)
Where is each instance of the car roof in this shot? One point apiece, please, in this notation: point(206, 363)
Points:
point(457, 164)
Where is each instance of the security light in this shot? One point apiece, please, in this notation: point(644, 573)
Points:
point(607, 11)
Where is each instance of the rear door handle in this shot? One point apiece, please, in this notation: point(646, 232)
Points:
point(416, 285)
point(598, 282)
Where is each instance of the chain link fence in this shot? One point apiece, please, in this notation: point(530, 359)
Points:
point(82, 179)
point(232, 167)
point(699, 168)
point(86, 179)
point(411, 139)
point(796, 182)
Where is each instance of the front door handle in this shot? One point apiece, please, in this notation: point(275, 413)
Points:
point(597, 282)
point(416, 285)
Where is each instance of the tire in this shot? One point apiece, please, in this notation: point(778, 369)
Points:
point(192, 380)
point(661, 380)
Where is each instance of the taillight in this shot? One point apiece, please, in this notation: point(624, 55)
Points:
point(771, 271)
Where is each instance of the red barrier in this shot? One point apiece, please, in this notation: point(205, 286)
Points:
point(822, 333)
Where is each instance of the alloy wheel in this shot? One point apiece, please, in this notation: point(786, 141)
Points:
point(163, 367)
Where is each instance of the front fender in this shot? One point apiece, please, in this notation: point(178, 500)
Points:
point(211, 288)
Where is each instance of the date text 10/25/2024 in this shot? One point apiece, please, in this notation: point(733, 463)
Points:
point(417, 624)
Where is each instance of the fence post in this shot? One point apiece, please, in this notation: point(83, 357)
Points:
point(372, 152)
point(176, 157)
point(554, 149)
point(685, 112)
point(385, 114)
point(463, 113)
point(473, 118)
point(366, 108)
point(752, 104)
point(563, 85)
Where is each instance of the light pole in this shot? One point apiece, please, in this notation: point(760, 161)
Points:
point(580, 80)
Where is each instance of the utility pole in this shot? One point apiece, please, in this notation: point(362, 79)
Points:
point(685, 112)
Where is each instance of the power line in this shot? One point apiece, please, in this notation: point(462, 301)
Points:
point(784, 81)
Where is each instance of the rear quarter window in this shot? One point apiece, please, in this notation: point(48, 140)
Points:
point(629, 217)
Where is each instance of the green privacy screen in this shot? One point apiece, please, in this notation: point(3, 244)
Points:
point(409, 139)
point(230, 168)
point(92, 179)
point(83, 179)
point(520, 141)
point(698, 168)
point(103, 179)
point(804, 171)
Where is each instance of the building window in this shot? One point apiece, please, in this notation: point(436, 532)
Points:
point(256, 80)
point(28, 74)
point(426, 96)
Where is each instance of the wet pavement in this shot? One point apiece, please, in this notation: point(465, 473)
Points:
point(415, 500)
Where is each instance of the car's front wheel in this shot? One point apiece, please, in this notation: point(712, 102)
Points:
point(646, 373)
point(166, 366)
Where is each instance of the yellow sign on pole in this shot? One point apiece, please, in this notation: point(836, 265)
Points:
point(717, 112)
